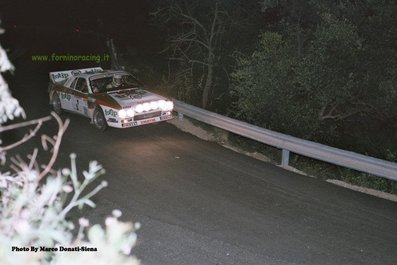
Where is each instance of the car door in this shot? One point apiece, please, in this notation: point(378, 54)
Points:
point(80, 97)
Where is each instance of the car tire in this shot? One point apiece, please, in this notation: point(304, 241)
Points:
point(56, 104)
point(99, 120)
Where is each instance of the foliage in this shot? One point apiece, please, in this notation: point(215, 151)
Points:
point(9, 106)
point(265, 91)
point(327, 76)
point(335, 90)
point(33, 214)
point(369, 181)
point(325, 71)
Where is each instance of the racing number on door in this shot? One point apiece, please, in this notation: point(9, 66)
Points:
point(79, 96)
point(80, 105)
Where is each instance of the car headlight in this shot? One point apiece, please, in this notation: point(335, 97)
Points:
point(169, 105)
point(122, 114)
point(139, 108)
point(130, 112)
point(146, 106)
point(166, 105)
point(154, 105)
point(161, 104)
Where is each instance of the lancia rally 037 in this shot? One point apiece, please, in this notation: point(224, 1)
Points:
point(109, 98)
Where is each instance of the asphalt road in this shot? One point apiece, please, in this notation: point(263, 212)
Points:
point(200, 203)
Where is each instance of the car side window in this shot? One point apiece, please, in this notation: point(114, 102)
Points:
point(98, 85)
point(82, 85)
point(130, 81)
point(73, 85)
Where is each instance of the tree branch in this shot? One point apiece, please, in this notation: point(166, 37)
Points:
point(196, 22)
point(58, 138)
point(24, 124)
point(180, 39)
point(26, 138)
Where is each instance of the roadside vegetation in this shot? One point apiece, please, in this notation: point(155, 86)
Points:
point(324, 71)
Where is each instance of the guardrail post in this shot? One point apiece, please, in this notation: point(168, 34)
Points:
point(285, 158)
point(180, 116)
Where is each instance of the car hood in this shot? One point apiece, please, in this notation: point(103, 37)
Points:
point(127, 98)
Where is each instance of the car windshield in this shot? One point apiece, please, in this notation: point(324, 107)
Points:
point(114, 82)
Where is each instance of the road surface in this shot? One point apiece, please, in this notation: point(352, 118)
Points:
point(200, 203)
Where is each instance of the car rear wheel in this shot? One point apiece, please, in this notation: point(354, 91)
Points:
point(99, 120)
point(56, 104)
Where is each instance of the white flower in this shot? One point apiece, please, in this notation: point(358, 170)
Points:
point(104, 183)
point(22, 227)
point(66, 171)
point(128, 243)
point(3, 183)
point(110, 221)
point(70, 225)
point(116, 213)
point(96, 235)
point(67, 188)
point(25, 214)
point(84, 222)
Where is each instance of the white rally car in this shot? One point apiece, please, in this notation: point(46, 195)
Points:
point(107, 97)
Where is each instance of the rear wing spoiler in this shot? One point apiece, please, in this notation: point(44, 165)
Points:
point(57, 77)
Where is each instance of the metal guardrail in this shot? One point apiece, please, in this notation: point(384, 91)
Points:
point(289, 144)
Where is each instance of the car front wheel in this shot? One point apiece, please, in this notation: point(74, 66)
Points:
point(99, 120)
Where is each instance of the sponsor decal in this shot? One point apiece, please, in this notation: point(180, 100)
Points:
point(76, 72)
point(148, 121)
point(112, 120)
point(94, 70)
point(132, 94)
point(60, 76)
point(66, 96)
point(110, 112)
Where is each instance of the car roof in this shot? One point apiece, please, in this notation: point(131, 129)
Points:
point(104, 73)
